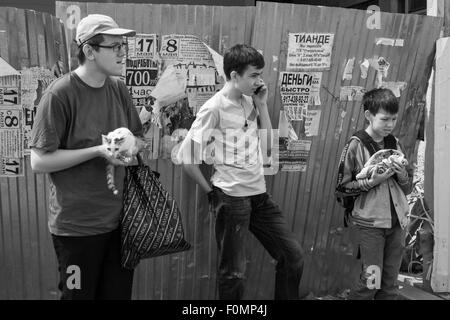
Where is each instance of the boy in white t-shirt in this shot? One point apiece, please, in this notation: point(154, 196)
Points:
point(226, 127)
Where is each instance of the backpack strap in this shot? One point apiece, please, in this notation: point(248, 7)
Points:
point(390, 142)
point(367, 141)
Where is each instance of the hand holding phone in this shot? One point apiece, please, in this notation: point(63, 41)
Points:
point(259, 89)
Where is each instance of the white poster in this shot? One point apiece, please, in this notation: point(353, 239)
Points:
point(309, 51)
point(312, 122)
point(298, 89)
point(143, 46)
point(184, 47)
point(352, 93)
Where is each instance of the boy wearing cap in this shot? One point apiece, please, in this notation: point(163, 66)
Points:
point(72, 115)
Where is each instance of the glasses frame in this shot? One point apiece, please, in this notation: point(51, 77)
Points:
point(116, 48)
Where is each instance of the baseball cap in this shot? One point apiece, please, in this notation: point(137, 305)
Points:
point(95, 24)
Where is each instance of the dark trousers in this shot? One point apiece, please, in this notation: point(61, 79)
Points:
point(89, 268)
point(380, 250)
point(263, 218)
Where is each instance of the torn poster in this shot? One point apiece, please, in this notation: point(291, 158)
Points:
point(312, 121)
point(395, 87)
point(352, 93)
point(389, 42)
point(11, 122)
point(383, 66)
point(364, 66)
point(309, 51)
point(293, 154)
point(35, 81)
point(298, 89)
point(11, 140)
point(185, 48)
point(348, 70)
point(218, 62)
point(198, 96)
point(175, 118)
point(141, 68)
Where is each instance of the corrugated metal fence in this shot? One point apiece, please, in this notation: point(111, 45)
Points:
point(27, 264)
point(306, 198)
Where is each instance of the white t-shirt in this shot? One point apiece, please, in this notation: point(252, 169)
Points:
point(225, 134)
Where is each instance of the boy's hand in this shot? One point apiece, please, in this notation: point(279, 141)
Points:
point(378, 178)
point(260, 98)
point(400, 171)
point(215, 202)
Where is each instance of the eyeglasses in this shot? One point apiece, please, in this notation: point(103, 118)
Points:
point(116, 47)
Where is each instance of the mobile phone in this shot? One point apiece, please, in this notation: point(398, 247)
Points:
point(258, 89)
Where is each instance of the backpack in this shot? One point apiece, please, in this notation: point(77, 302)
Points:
point(348, 201)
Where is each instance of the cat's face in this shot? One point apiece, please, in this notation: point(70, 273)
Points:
point(115, 140)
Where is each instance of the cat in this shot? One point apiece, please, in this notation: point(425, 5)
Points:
point(381, 161)
point(122, 145)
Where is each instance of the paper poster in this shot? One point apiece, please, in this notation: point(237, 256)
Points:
point(364, 66)
point(184, 75)
point(294, 154)
point(143, 46)
point(348, 70)
point(6, 70)
point(198, 96)
point(298, 89)
point(175, 118)
point(185, 48)
point(218, 62)
point(294, 113)
point(309, 51)
point(352, 93)
point(389, 42)
point(312, 122)
point(141, 69)
point(34, 82)
point(395, 87)
point(11, 140)
point(141, 76)
point(11, 122)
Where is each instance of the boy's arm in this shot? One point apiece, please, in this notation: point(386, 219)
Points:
point(46, 162)
point(260, 101)
point(193, 171)
point(190, 153)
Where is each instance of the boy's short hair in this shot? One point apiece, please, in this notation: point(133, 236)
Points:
point(239, 57)
point(377, 99)
point(95, 40)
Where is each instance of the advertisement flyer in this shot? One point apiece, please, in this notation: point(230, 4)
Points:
point(294, 154)
point(309, 51)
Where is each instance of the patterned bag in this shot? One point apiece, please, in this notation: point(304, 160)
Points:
point(151, 221)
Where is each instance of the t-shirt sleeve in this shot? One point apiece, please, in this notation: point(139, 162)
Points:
point(49, 124)
point(193, 147)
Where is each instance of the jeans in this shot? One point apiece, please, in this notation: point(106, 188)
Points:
point(381, 253)
point(89, 268)
point(263, 218)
